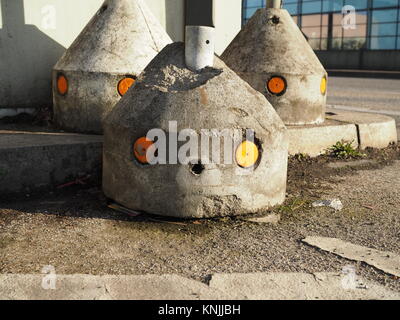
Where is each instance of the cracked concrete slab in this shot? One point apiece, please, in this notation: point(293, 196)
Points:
point(374, 130)
point(362, 129)
point(256, 286)
point(89, 287)
point(386, 261)
point(300, 286)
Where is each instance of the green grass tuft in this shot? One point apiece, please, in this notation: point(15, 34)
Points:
point(344, 150)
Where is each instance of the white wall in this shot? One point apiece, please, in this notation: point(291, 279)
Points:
point(39, 31)
point(228, 22)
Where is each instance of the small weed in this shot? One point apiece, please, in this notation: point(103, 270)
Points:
point(344, 150)
point(301, 157)
point(291, 207)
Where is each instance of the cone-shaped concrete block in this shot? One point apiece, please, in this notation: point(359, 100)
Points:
point(271, 45)
point(213, 98)
point(119, 41)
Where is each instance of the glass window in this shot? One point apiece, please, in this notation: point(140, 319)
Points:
point(337, 43)
point(332, 5)
point(337, 19)
point(254, 3)
point(249, 12)
point(379, 17)
point(359, 31)
point(383, 43)
point(384, 15)
point(311, 7)
point(337, 31)
point(361, 17)
point(354, 43)
point(324, 31)
point(324, 44)
point(312, 32)
point(311, 20)
point(357, 4)
point(291, 7)
point(325, 19)
point(385, 3)
point(383, 29)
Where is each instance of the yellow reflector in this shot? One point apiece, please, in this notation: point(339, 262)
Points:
point(62, 85)
point(125, 84)
point(277, 85)
point(324, 83)
point(142, 145)
point(247, 154)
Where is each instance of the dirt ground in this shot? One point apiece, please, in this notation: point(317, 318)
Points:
point(73, 230)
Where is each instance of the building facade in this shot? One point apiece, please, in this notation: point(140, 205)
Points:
point(343, 24)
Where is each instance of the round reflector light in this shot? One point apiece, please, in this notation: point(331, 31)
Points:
point(247, 154)
point(324, 84)
point(140, 149)
point(277, 85)
point(62, 85)
point(125, 84)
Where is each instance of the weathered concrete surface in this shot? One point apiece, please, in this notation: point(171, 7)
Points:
point(120, 40)
point(297, 286)
point(35, 160)
point(315, 140)
point(214, 98)
point(271, 44)
point(386, 261)
point(374, 130)
point(88, 287)
point(255, 286)
point(362, 129)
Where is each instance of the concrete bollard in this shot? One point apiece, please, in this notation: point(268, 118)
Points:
point(273, 56)
point(191, 143)
point(103, 62)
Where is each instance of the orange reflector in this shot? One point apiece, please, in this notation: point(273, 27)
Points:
point(62, 85)
point(277, 85)
point(247, 154)
point(125, 84)
point(142, 145)
point(324, 83)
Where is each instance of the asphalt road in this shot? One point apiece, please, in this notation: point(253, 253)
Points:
point(366, 94)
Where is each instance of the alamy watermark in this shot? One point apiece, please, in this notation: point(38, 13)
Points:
point(349, 21)
point(49, 279)
point(349, 278)
point(207, 146)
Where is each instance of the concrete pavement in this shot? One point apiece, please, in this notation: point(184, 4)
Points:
point(33, 160)
point(254, 286)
